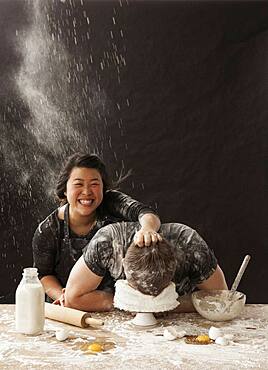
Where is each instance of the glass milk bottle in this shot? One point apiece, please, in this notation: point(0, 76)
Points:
point(30, 304)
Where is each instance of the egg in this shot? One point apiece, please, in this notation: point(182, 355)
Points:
point(203, 338)
point(62, 334)
point(95, 347)
point(229, 336)
point(170, 333)
point(214, 333)
point(222, 341)
point(181, 334)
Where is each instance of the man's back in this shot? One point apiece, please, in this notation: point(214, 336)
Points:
point(195, 261)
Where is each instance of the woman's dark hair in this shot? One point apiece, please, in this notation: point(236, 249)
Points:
point(150, 269)
point(80, 160)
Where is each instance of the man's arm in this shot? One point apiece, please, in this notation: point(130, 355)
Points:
point(215, 281)
point(81, 290)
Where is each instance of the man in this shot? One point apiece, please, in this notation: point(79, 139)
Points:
point(191, 264)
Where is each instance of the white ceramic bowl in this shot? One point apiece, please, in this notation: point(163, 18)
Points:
point(218, 305)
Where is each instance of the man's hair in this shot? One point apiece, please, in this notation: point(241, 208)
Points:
point(150, 269)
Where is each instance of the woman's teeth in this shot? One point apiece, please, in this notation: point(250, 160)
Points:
point(85, 202)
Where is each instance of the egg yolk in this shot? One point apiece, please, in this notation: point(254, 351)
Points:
point(95, 347)
point(202, 338)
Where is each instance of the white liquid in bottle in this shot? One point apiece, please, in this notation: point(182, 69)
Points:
point(30, 304)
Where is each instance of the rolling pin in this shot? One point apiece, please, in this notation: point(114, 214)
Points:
point(70, 316)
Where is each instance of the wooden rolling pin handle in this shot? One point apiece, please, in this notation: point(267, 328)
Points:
point(70, 316)
point(93, 322)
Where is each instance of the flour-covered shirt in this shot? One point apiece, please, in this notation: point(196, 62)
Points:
point(48, 240)
point(196, 262)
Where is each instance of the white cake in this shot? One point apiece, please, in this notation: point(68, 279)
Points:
point(129, 299)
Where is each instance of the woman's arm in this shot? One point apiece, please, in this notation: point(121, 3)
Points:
point(123, 206)
point(81, 290)
point(44, 245)
point(147, 235)
point(52, 287)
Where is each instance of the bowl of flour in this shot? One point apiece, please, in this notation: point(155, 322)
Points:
point(219, 305)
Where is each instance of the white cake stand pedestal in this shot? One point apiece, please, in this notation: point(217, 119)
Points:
point(144, 319)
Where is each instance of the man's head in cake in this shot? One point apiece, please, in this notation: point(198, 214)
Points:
point(150, 269)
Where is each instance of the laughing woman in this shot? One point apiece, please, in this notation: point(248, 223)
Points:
point(87, 203)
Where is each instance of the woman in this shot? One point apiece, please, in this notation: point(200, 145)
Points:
point(87, 204)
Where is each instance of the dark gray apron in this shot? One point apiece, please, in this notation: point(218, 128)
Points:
point(71, 249)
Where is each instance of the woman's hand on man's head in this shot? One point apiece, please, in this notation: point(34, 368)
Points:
point(148, 233)
point(145, 237)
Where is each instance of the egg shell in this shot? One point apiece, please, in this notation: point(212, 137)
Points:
point(214, 333)
point(222, 341)
point(170, 333)
point(62, 334)
point(229, 336)
point(181, 334)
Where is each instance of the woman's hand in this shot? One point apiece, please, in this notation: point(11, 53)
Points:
point(148, 235)
point(145, 237)
point(60, 301)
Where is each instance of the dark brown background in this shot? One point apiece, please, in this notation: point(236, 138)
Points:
point(189, 116)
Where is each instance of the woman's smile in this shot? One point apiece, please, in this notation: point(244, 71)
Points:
point(84, 192)
point(86, 202)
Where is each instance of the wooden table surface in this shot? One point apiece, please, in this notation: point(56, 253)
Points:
point(130, 348)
